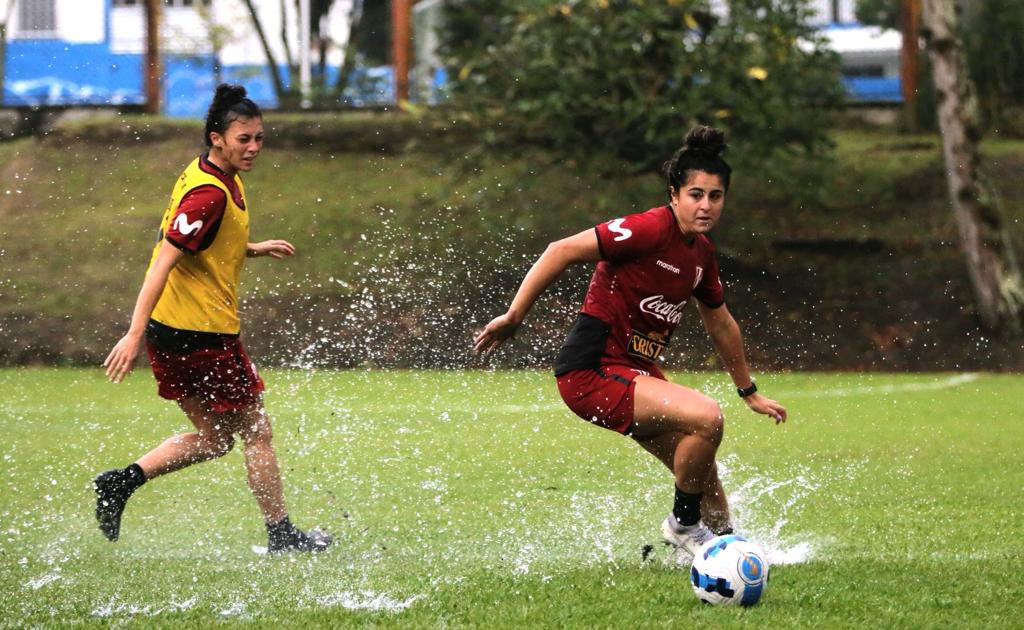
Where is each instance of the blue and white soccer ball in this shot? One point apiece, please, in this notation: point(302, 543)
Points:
point(729, 570)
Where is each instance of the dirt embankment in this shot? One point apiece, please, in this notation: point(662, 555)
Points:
point(401, 261)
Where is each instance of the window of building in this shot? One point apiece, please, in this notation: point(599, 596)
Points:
point(167, 3)
point(37, 16)
point(864, 71)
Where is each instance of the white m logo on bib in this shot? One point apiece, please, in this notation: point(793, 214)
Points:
point(182, 225)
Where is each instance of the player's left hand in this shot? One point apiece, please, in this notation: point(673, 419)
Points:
point(767, 406)
point(275, 248)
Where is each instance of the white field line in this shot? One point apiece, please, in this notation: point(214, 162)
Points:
point(871, 390)
point(553, 405)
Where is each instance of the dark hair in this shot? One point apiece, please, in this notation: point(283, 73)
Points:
point(701, 151)
point(229, 103)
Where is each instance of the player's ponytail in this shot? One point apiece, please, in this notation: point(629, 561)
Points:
point(701, 151)
point(229, 103)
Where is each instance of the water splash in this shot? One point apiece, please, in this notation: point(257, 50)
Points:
point(765, 504)
point(367, 600)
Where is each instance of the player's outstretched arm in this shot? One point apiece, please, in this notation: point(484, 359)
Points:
point(275, 248)
point(580, 247)
point(728, 341)
point(121, 360)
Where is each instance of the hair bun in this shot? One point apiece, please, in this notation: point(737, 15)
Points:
point(706, 140)
point(227, 95)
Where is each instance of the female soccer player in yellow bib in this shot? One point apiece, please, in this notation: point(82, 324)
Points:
point(187, 312)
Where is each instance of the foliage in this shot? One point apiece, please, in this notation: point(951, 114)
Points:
point(993, 33)
point(884, 13)
point(628, 77)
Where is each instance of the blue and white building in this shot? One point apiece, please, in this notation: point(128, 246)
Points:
point(91, 52)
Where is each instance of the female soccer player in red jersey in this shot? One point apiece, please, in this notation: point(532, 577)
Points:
point(187, 311)
point(648, 266)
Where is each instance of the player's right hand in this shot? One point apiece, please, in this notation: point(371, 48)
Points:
point(121, 360)
point(495, 333)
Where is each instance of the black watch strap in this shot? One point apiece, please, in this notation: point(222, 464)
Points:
point(747, 391)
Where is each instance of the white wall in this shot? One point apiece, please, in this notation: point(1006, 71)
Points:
point(187, 30)
point(243, 46)
point(80, 21)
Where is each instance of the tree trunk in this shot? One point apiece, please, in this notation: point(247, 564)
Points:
point(348, 62)
point(275, 73)
point(3, 58)
point(400, 39)
point(153, 70)
point(9, 9)
point(910, 25)
point(991, 262)
point(288, 59)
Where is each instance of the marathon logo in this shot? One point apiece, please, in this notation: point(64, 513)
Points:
point(647, 346)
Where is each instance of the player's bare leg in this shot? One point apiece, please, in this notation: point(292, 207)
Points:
point(211, 440)
point(264, 476)
point(263, 472)
point(714, 505)
point(683, 428)
point(114, 487)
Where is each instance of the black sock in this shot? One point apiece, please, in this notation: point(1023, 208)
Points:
point(687, 507)
point(281, 528)
point(134, 477)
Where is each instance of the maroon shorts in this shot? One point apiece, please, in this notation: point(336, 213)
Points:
point(223, 377)
point(603, 396)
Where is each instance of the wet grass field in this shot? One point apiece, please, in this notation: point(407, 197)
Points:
point(476, 498)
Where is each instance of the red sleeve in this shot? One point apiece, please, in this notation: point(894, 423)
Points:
point(709, 287)
point(197, 219)
point(630, 237)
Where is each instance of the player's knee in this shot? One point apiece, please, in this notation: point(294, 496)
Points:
point(219, 445)
point(711, 422)
point(258, 433)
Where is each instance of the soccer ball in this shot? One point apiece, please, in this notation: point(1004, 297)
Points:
point(729, 570)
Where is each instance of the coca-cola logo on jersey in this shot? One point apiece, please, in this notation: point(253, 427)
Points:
point(665, 311)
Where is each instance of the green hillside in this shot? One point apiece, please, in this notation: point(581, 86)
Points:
point(407, 244)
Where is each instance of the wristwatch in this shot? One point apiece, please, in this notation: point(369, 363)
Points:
point(747, 391)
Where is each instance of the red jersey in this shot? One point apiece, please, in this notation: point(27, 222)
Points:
point(638, 292)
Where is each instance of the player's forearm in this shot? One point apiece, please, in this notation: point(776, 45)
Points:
point(545, 271)
point(150, 293)
point(153, 287)
point(728, 342)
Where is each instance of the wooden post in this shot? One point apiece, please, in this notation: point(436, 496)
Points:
point(400, 40)
point(910, 18)
point(153, 70)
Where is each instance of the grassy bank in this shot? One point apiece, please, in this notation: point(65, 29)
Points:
point(407, 244)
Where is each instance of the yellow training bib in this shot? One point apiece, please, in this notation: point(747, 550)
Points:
point(202, 290)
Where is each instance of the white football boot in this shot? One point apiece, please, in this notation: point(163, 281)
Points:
point(688, 538)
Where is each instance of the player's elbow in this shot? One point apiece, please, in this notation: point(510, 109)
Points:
point(565, 251)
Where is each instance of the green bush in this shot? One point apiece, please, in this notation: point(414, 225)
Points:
point(628, 78)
